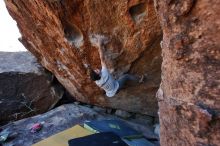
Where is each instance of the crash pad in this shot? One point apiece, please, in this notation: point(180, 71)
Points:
point(117, 126)
point(98, 139)
point(138, 142)
point(62, 138)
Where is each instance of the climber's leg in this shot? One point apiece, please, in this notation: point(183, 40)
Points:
point(126, 77)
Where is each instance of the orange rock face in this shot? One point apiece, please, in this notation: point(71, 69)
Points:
point(57, 33)
point(189, 96)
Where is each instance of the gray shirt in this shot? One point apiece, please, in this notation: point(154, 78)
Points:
point(108, 83)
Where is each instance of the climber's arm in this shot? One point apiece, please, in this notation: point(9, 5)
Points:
point(102, 58)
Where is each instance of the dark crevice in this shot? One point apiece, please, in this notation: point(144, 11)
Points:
point(138, 11)
point(73, 34)
point(66, 99)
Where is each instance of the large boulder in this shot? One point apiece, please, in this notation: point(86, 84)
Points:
point(58, 34)
point(26, 88)
point(189, 96)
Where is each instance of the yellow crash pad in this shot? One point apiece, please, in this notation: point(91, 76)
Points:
point(62, 138)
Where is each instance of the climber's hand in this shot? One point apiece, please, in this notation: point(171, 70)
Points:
point(102, 40)
point(98, 40)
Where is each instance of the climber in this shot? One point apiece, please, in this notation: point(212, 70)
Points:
point(102, 77)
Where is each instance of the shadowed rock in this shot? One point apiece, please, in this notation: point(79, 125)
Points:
point(26, 88)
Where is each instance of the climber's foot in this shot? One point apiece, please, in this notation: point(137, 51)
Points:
point(141, 80)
